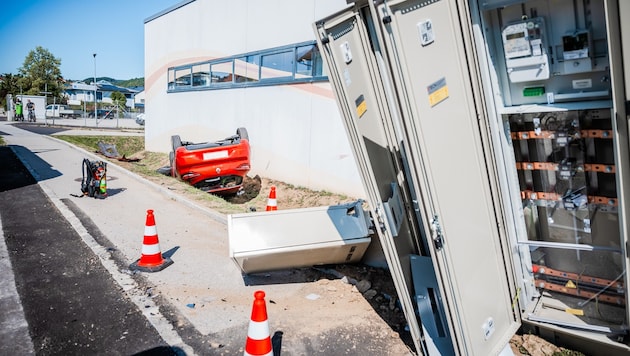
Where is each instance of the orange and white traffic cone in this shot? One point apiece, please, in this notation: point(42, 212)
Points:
point(272, 203)
point(258, 338)
point(151, 259)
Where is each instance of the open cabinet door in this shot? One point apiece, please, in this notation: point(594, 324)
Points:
point(355, 76)
point(400, 71)
point(429, 50)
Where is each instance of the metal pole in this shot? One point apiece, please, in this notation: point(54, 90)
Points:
point(46, 103)
point(95, 113)
point(54, 102)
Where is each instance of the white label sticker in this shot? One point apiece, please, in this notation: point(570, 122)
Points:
point(488, 328)
point(345, 50)
point(426, 32)
point(207, 156)
point(582, 83)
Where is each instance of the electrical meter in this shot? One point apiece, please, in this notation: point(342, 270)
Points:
point(525, 51)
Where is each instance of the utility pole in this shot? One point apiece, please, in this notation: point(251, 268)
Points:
point(46, 92)
point(95, 112)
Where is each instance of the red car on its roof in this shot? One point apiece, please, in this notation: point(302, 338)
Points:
point(215, 167)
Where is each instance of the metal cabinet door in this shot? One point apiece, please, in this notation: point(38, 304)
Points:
point(428, 46)
point(356, 77)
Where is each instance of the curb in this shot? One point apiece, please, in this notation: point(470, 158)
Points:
point(221, 218)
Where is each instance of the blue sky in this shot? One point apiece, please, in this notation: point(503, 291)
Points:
point(72, 30)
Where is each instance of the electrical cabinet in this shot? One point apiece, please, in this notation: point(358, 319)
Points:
point(491, 137)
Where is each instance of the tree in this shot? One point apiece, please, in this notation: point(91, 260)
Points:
point(40, 72)
point(8, 85)
point(119, 99)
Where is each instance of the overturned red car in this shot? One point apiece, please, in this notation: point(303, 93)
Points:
point(214, 167)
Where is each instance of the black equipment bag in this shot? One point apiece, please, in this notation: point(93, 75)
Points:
point(94, 182)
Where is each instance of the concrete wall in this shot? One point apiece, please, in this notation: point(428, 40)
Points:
point(296, 131)
point(40, 106)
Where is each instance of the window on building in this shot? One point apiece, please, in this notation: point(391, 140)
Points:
point(183, 77)
point(277, 65)
point(290, 64)
point(308, 61)
point(171, 79)
point(221, 72)
point(247, 69)
point(201, 75)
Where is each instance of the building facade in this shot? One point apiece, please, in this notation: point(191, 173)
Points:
point(79, 93)
point(213, 66)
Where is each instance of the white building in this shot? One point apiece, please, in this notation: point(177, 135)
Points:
point(78, 93)
point(138, 99)
point(212, 66)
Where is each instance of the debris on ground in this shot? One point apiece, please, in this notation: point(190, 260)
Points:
point(109, 150)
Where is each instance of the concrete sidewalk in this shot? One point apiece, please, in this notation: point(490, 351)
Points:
point(204, 284)
point(86, 122)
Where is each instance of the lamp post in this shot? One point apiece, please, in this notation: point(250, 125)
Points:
point(95, 113)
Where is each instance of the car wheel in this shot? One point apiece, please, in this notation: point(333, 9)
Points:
point(242, 133)
point(171, 158)
point(176, 141)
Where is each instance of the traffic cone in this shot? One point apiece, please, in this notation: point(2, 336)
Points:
point(258, 338)
point(272, 204)
point(151, 259)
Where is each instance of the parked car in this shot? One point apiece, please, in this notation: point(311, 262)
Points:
point(56, 110)
point(140, 119)
point(215, 167)
point(102, 113)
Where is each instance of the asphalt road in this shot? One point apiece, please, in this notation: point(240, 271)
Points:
point(70, 302)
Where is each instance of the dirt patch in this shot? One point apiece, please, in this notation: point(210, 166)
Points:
point(255, 195)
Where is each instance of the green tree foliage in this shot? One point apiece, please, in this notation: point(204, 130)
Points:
point(40, 71)
point(8, 85)
point(130, 83)
point(119, 99)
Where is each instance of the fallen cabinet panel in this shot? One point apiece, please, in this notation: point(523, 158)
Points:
point(294, 238)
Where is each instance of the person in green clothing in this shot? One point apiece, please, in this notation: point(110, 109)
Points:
point(19, 114)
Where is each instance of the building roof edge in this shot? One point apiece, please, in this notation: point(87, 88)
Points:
point(166, 11)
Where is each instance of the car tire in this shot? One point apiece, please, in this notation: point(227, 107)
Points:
point(242, 133)
point(171, 158)
point(176, 142)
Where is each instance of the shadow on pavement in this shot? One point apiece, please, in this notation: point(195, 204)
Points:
point(276, 342)
point(162, 350)
point(170, 253)
point(41, 129)
point(13, 174)
point(111, 192)
point(40, 169)
point(293, 275)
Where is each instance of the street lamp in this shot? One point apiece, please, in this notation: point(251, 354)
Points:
point(95, 116)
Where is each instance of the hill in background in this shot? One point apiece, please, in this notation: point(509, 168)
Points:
point(129, 83)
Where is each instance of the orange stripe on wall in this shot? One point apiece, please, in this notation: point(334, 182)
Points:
point(307, 87)
point(315, 89)
point(151, 79)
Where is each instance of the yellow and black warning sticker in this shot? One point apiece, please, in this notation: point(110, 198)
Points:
point(438, 92)
point(361, 105)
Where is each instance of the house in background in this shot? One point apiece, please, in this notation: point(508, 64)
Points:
point(78, 92)
point(106, 89)
point(139, 99)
